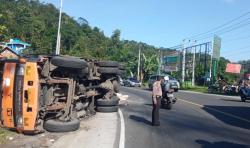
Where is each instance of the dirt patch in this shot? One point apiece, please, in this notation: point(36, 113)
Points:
point(11, 139)
point(43, 140)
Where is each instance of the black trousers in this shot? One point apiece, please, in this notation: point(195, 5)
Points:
point(155, 111)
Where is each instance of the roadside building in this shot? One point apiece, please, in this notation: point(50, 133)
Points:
point(8, 53)
point(17, 45)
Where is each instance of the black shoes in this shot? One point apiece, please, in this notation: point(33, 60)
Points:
point(156, 124)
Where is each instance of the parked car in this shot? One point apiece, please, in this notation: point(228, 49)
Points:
point(174, 83)
point(132, 82)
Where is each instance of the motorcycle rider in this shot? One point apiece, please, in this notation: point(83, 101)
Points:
point(246, 88)
point(166, 84)
point(167, 100)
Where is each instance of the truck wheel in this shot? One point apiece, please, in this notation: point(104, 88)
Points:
point(107, 109)
point(84, 71)
point(108, 64)
point(69, 62)
point(108, 70)
point(121, 67)
point(60, 126)
point(105, 102)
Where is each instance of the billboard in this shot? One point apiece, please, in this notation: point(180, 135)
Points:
point(216, 47)
point(233, 68)
point(171, 62)
point(171, 59)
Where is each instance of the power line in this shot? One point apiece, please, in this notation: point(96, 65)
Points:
point(218, 27)
point(228, 29)
point(238, 51)
point(236, 39)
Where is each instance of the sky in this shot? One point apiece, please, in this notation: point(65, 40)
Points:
point(165, 23)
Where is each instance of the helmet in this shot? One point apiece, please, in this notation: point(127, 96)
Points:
point(166, 78)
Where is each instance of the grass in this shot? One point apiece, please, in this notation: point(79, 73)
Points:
point(4, 134)
point(201, 89)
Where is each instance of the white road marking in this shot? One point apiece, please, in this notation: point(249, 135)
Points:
point(216, 110)
point(122, 132)
point(192, 92)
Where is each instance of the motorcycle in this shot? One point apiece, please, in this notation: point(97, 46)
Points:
point(168, 98)
point(244, 93)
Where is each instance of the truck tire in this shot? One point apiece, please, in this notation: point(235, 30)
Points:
point(107, 109)
point(121, 72)
point(121, 67)
point(60, 126)
point(69, 62)
point(108, 70)
point(105, 102)
point(108, 64)
point(84, 71)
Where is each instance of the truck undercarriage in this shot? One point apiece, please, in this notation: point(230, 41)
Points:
point(55, 92)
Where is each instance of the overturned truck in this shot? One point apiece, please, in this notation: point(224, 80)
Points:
point(54, 93)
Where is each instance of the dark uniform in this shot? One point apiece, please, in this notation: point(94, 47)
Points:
point(156, 99)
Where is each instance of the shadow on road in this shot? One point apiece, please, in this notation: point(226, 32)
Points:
point(220, 144)
point(234, 100)
point(236, 112)
point(143, 88)
point(148, 104)
point(140, 119)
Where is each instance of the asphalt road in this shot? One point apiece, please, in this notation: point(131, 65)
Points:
point(196, 121)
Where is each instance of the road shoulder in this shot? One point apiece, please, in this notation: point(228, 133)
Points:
point(99, 132)
point(233, 97)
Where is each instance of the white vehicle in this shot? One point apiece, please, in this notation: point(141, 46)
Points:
point(132, 82)
point(174, 83)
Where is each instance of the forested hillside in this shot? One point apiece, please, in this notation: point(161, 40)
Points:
point(36, 23)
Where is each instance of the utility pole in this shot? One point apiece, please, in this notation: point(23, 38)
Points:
point(193, 68)
point(205, 61)
point(58, 41)
point(211, 64)
point(139, 63)
point(183, 61)
point(160, 62)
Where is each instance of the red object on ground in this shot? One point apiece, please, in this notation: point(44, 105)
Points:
point(233, 68)
point(247, 76)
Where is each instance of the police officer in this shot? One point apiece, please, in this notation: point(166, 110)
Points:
point(156, 99)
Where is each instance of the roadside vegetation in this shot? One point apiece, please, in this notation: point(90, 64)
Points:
point(4, 134)
point(36, 23)
point(202, 89)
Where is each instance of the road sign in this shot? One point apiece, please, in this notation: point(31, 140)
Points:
point(233, 68)
point(216, 47)
point(166, 68)
point(171, 59)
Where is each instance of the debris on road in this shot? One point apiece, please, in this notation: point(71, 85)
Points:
point(123, 99)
